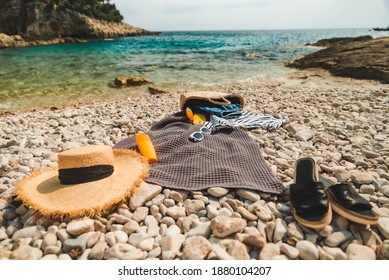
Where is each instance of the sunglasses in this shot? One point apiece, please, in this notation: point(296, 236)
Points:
point(199, 135)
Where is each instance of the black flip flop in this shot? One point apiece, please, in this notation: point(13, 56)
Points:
point(348, 203)
point(310, 206)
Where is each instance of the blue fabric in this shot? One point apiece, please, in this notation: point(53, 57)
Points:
point(223, 111)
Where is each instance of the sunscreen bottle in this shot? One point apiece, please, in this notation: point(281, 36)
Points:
point(146, 147)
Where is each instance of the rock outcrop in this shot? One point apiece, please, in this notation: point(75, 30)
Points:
point(361, 59)
point(39, 22)
point(16, 41)
point(329, 42)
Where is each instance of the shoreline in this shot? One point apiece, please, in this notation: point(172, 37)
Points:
point(341, 122)
point(311, 76)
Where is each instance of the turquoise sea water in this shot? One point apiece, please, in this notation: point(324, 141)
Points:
point(51, 75)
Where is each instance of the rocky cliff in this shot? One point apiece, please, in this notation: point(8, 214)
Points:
point(363, 58)
point(37, 22)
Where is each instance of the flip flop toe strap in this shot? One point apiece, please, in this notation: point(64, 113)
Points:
point(309, 200)
point(347, 197)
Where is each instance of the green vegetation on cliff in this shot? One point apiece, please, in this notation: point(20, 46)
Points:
point(98, 9)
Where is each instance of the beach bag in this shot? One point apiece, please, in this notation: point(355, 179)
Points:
point(209, 98)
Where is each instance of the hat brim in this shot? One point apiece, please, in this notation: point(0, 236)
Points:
point(209, 96)
point(43, 192)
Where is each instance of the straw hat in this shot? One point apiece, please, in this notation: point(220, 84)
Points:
point(87, 181)
point(213, 97)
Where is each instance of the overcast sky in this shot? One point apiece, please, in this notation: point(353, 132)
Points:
point(171, 15)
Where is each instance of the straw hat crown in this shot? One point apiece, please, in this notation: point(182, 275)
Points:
point(86, 157)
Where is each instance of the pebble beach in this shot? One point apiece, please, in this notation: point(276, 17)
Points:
point(342, 123)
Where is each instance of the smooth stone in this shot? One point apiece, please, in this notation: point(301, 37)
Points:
point(220, 253)
point(263, 213)
point(236, 249)
point(173, 230)
point(146, 245)
point(74, 244)
point(307, 250)
point(383, 226)
point(136, 254)
point(168, 221)
point(176, 212)
point(50, 239)
point(223, 226)
point(193, 206)
point(99, 226)
point(154, 210)
point(323, 255)
point(121, 219)
point(269, 251)
point(269, 229)
point(80, 226)
point(130, 227)
point(225, 212)
point(140, 214)
point(52, 250)
point(97, 252)
point(304, 135)
point(336, 253)
point(117, 251)
point(171, 245)
point(62, 235)
point(281, 162)
point(92, 239)
point(84, 255)
point(115, 237)
point(144, 193)
point(367, 189)
point(217, 191)
point(385, 190)
point(295, 231)
point(153, 230)
point(360, 252)
point(211, 211)
point(203, 229)
point(245, 213)
point(196, 248)
point(168, 202)
point(150, 220)
point(290, 251)
point(34, 232)
point(248, 194)
point(155, 253)
point(342, 175)
point(158, 199)
point(26, 252)
point(176, 196)
point(361, 178)
point(137, 238)
point(251, 236)
point(279, 230)
point(337, 238)
point(326, 231)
